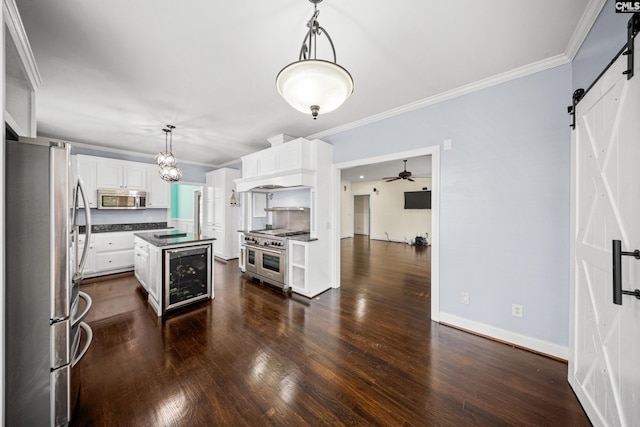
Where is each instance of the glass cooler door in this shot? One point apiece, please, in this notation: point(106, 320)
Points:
point(187, 275)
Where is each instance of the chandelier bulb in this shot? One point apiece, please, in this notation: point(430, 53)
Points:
point(314, 111)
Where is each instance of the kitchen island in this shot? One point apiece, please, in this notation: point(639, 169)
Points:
point(174, 267)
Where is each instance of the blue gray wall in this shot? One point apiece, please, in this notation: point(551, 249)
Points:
point(505, 190)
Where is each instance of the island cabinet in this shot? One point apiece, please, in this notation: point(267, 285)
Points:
point(175, 268)
point(308, 273)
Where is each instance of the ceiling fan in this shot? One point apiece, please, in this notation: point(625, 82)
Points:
point(402, 175)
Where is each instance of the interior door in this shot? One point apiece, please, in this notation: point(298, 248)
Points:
point(604, 360)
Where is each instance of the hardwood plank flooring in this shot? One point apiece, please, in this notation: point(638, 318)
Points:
point(364, 354)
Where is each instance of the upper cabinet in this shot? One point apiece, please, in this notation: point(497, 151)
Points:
point(121, 175)
point(100, 173)
point(158, 190)
point(291, 164)
point(21, 74)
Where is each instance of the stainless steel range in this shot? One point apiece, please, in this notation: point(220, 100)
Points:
point(267, 256)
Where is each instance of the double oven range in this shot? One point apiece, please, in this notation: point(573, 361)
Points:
point(266, 256)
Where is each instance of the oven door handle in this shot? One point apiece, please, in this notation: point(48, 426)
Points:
point(272, 251)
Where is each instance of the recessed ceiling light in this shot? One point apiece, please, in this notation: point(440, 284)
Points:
point(361, 176)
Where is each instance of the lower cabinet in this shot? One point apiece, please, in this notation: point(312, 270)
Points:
point(308, 274)
point(114, 252)
point(141, 262)
point(90, 262)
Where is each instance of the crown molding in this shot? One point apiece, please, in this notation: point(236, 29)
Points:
point(577, 38)
point(104, 149)
point(21, 41)
point(516, 73)
point(584, 26)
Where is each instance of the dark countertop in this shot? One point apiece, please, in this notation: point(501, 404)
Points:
point(302, 238)
point(150, 237)
point(110, 228)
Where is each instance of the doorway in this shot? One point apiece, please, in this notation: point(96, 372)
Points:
point(362, 215)
point(434, 250)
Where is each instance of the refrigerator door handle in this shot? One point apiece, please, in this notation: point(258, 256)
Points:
point(89, 303)
point(87, 215)
point(89, 332)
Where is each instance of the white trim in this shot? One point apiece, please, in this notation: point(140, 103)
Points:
point(516, 73)
point(584, 26)
point(575, 42)
point(19, 35)
point(434, 152)
point(3, 192)
point(117, 150)
point(540, 346)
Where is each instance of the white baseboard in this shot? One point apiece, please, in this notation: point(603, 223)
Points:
point(540, 346)
point(385, 239)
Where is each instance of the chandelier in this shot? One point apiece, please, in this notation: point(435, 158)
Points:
point(312, 84)
point(166, 160)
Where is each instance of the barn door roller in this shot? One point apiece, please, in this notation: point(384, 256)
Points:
point(633, 28)
point(617, 272)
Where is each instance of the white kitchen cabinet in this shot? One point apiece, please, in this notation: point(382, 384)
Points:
point(242, 254)
point(148, 270)
point(86, 169)
point(90, 262)
point(220, 217)
point(21, 76)
point(308, 274)
point(158, 190)
point(154, 274)
point(292, 164)
point(120, 175)
point(141, 262)
point(114, 252)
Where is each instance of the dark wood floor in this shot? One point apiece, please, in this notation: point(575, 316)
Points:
point(366, 354)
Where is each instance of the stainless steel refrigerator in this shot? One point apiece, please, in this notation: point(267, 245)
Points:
point(43, 310)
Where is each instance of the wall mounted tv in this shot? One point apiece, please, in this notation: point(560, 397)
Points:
point(417, 199)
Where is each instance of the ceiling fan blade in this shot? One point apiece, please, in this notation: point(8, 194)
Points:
point(410, 179)
point(391, 179)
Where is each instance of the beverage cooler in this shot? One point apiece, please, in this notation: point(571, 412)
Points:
point(187, 275)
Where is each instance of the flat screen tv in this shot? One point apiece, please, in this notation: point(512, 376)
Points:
point(417, 199)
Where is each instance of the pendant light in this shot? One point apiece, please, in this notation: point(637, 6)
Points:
point(166, 157)
point(314, 85)
point(169, 170)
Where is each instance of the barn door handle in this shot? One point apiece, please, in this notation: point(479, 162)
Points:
point(617, 272)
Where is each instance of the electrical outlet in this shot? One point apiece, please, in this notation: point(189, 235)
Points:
point(516, 310)
point(464, 297)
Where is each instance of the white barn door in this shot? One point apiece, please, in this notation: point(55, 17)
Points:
point(604, 355)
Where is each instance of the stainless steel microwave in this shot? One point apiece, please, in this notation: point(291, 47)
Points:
point(122, 199)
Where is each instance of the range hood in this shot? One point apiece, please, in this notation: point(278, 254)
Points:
point(298, 178)
point(286, 164)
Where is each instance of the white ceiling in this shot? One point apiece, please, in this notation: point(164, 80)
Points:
point(116, 72)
